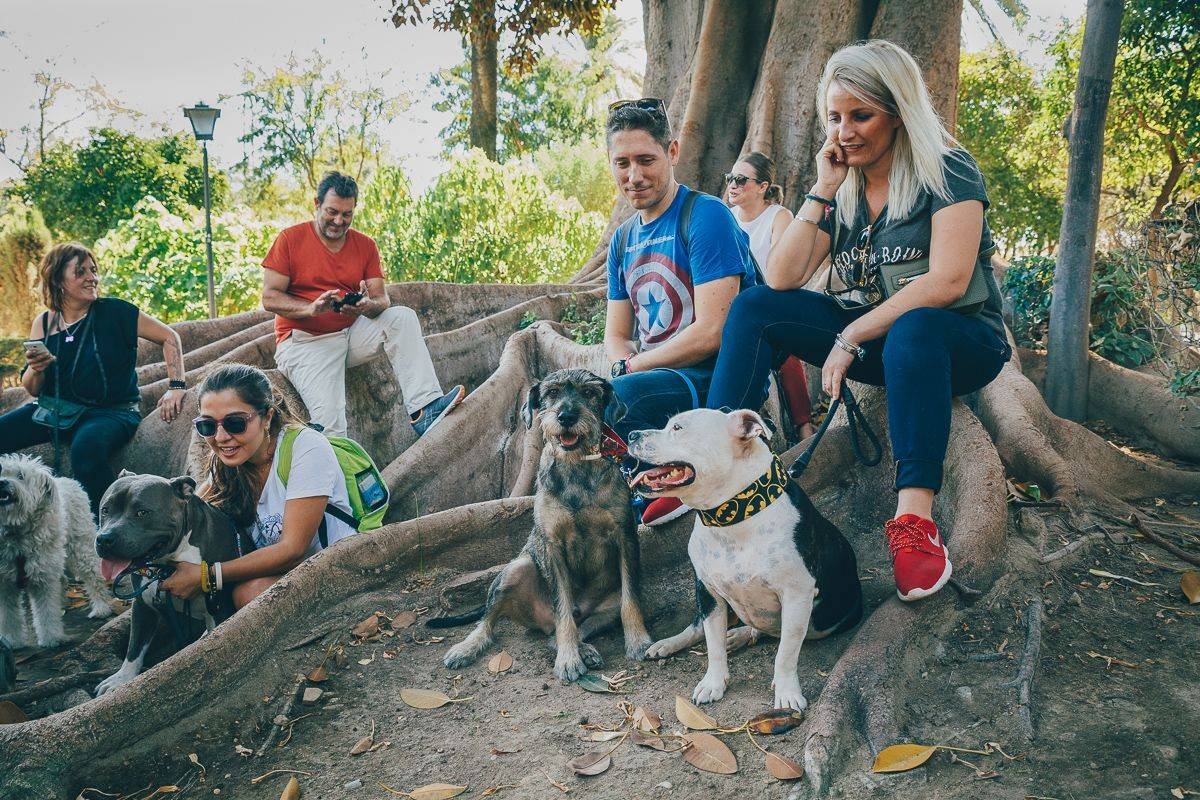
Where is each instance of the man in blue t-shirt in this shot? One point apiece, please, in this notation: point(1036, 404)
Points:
point(669, 290)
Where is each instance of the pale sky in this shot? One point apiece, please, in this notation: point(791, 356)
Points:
point(156, 56)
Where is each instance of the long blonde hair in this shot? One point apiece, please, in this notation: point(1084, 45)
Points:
point(886, 76)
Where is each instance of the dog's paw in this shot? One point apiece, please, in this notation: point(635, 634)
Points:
point(711, 688)
point(114, 682)
point(788, 695)
point(459, 656)
point(570, 666)
point(101, 609)
point(663, 648)
point(51, 640)
point(638, 648)
point(741, 637)
point(591, 656)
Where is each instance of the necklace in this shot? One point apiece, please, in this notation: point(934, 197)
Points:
point(70, 330)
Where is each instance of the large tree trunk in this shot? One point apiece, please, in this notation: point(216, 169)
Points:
point(1067, 344)
point(484, 76)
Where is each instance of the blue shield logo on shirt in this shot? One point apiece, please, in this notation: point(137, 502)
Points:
point(661, 293)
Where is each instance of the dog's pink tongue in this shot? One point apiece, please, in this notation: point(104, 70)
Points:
point(111, 567)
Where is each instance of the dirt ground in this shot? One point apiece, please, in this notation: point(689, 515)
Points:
point(1115, 703)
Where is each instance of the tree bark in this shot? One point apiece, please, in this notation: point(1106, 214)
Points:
point(931, 33)
point(1067, 345)
point(484, 76)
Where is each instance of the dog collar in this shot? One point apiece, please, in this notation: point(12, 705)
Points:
point(612, 447)
point(769, 487)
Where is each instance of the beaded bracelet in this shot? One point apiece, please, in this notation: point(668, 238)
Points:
point(822, 200)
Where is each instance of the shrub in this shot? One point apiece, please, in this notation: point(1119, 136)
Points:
point(156, 260)
point(479, 222)
point(23, 241)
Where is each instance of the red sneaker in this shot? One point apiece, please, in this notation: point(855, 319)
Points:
point(920, 563)
point(663, 510)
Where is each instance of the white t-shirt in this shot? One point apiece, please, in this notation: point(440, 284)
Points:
point(314, 473)
point(759, 231)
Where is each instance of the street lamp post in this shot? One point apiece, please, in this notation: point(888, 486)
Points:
point(204, 120)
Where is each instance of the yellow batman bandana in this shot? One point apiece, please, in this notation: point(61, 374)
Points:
point(749, 501)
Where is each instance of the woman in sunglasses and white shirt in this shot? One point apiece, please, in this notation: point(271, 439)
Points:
point(757, 203)
point(241, 421)
point(899, 190)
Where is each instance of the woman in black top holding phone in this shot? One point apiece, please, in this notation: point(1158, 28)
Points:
point(81, 365)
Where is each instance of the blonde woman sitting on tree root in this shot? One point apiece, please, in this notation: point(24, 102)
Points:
point(910, 301)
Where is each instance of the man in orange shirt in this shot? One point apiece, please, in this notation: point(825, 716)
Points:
point(319, 332)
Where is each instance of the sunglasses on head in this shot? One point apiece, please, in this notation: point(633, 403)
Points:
point(232, 423)
point(739, 180)
point(654, 105)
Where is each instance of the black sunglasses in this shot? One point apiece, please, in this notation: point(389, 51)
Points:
point(654, 105)
point(232, 423)
point(739, 180)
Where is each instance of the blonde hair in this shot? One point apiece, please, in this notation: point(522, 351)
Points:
point(886, 76)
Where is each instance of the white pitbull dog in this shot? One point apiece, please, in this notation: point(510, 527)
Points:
point(759, 545)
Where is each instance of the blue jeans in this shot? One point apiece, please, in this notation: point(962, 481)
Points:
point(653, 397)
point(929, 356)
point(98, 434)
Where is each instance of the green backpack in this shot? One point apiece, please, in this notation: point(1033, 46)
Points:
point(364, 484)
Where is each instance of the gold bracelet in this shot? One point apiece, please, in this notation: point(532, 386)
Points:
point(204, 577)
point(809, 221)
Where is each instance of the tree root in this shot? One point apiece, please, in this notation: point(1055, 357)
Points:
point(53, 686)
point(1136, 522)
point(282, 718)
point(1024, 680)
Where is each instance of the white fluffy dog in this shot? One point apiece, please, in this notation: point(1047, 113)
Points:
point(45, 525)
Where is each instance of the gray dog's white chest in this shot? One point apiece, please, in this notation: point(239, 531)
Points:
point(754, 565)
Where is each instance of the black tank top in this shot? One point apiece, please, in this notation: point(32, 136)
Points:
point(98, 366)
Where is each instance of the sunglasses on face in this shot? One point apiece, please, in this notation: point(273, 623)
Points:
point(654, 105)
point(739, 180)
point(233, 424)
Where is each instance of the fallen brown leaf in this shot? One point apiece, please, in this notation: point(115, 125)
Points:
point(292, 790)
point(1189, 583)
point(902, 757)
point(319, 675)
point(692, 717)
point(11, 713)
point(367, 628)
point(591, 763)
point(646, 721)
point(499, 663)
point(706, 752)
point(783, 768)
point(404, 619)
point(428, 699)
point(779, 720)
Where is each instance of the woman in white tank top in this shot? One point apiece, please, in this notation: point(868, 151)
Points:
point(757, 203)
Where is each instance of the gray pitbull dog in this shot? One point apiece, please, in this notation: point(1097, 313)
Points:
point(579, 569)
point(149, 520)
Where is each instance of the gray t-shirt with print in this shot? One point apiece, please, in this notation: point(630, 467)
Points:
point(892, 241)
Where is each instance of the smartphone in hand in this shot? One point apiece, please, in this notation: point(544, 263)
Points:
point(35, 347)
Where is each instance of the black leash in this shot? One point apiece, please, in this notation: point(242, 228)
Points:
point(856, 420)
point(140, 578)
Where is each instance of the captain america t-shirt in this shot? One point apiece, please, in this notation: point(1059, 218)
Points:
point(659, 275)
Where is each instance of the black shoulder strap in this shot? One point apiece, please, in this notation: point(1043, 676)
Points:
point(334, 511)
point(685, 218)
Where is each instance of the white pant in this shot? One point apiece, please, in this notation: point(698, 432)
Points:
point(316, 365)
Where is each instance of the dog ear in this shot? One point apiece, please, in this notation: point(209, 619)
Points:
point(747, 425)
point(126, 474)
point(614, 409)
point(532, 404)
point(184, 486)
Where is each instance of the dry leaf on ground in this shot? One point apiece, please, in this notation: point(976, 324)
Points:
point(783, 768)
point(601, 736)
point(367, 628)
point(292, 790)
point(645, 720)
point(692, 717)
point(780, 720)
point(363, 745)
point(591, 763)
point(501, 662)
point(436, 791)
point(707, 752)
point(650, 740)
point(902, 757)
point(11, 713)
point(428, 698)
point(594, 683)
point(319, 675)
point(1189, 582)
point(404, 619)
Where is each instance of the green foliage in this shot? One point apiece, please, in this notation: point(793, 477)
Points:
point(478, 222)
point(84, 190)
point(12, 360)
point(580, 171)
point(1029, 282)
point(307, 117)
point(561, 99)
point(524, 23)
point(24, 239)
point(585, 327)
point(1001, 122)
point(156, 260)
